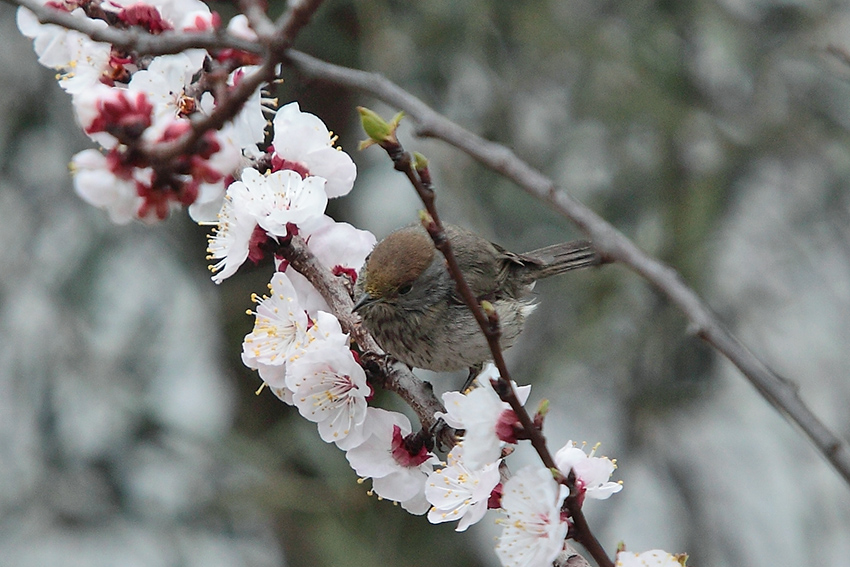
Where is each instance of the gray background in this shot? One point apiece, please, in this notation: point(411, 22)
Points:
point(712, 133)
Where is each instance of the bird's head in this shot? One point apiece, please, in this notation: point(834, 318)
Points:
point(394, 267)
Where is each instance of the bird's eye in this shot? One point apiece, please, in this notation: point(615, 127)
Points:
point(405, 289)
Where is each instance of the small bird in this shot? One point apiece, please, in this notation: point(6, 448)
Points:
point(408, 300)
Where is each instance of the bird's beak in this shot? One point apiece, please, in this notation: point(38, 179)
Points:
point(364, 300)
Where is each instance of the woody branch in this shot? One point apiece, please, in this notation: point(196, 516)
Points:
point(416, 171)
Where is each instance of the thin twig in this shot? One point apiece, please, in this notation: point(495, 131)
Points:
point(277, 39)
point(488, 322)
point(581, 531)
point(285, 31)
point(297, 15)
point(135, 39)
point(255, 12)
point(611, 243)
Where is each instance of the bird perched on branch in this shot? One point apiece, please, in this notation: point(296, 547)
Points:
point(408, 300)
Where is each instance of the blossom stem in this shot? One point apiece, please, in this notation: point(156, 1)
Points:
point(582, 532)
point(489, 324)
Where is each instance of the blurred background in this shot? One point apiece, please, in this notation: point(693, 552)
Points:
point(713, 133)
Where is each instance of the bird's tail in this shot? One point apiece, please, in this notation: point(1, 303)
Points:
point(560, 258)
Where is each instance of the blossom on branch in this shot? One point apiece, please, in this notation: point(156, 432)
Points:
point(487, 420)
point(303, 143)
point(323, 332)
point(96, 181)
point(458, 493)
point(230, 240)
point(534, 530)
point(258, 208)
point(280, 327)
point(165, 83)
point(283, 197)
point(153, 117)
point(592, 472)
point(238, 26)
point(113, 116)
point(329, 388)
point(133, 104)
point(341, 248)
point(283, 333)
point(248, 127)
point(156, 17)
point(80, 61)
point(398, 471)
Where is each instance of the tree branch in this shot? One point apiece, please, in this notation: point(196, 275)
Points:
point(228, 106)
point(278, 39)
point(297, 15)
point(255, 12)
point(275, 39)
point(614, 246)
point(488, 321)
point(134, 39)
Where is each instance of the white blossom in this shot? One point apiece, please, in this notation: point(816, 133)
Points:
point(479, 412)
point(311, 299)
point(238, 26)
point(79, 60)
point(458, 493)
point(98, 186)
point(179, 14)
point(209, 203)
point(99, 106)
point(283, 197)
point(164, 82)
point(329, 388)
point(231, 235)
point(303, 140)
point(533, 532)
point(238, 139)
point(248, 127)
point(280, 327)
point(340, 245)
point(592, 472)
point(269, 201)
point(396, 474)
point(323, 332)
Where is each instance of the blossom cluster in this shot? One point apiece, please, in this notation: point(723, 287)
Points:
point(535, 525)
point(128, 103)
point(258, 183)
